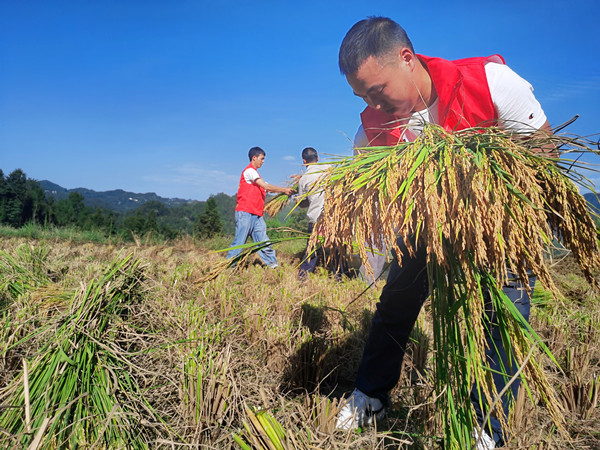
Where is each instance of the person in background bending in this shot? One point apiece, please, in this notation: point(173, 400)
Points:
point(403, 90)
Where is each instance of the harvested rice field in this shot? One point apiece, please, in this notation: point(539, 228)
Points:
point(121, 346)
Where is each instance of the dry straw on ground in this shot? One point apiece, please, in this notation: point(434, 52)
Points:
point(257, 338)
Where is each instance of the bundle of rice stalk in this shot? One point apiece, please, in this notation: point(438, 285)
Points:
point(16, 278)
point(80, 390)
point(278, 202)
point(247, 250)
point(263, 431)
point(486, 208)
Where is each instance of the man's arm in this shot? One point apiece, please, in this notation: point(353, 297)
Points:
point(271, 188)
point(541, 141)
point(549, 147)
point(518, 110)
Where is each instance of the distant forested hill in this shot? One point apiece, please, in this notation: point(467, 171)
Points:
point(175, 214)
point(593, 200)
point(116, 200)
point(169, 213)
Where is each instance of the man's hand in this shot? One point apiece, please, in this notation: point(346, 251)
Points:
point(548, 147)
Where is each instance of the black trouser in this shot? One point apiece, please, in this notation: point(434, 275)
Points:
point(401, 300)
point(309, 262)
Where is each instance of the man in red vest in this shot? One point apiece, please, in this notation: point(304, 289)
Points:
point(250, 205)
point(403, 90)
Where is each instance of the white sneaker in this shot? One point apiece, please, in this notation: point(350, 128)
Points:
point(485, 442)
point(360, 410)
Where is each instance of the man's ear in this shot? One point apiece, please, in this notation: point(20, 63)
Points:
point(407, 57)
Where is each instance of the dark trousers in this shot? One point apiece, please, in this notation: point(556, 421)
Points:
point(309, 262)
point(401, 300)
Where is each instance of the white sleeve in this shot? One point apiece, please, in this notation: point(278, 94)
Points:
point(518, 109)
point(251, 175)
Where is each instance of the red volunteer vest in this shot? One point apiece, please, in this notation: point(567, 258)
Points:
point(250, 197)
point(464, 99)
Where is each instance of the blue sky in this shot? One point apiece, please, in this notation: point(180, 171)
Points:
point(168, 96)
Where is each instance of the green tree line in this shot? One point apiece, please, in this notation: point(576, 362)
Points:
point(23, 201)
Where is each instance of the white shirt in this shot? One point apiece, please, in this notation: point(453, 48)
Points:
point(251, 175)
point(315, 201)
point(518, 109)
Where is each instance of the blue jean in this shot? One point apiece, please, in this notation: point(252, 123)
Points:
point(401, 300)
point(247, 224)
point(497, 358)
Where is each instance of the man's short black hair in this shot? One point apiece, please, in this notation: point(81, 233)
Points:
point(310, 155)
point(373, 36)
point(255, 151)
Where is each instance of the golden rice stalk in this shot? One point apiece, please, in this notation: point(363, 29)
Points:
point(484, 206)
point(278, 202)
point(476, 192)
point(248, 250)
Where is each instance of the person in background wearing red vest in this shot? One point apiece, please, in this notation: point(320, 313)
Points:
point(404, 90)
point(249, 219)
